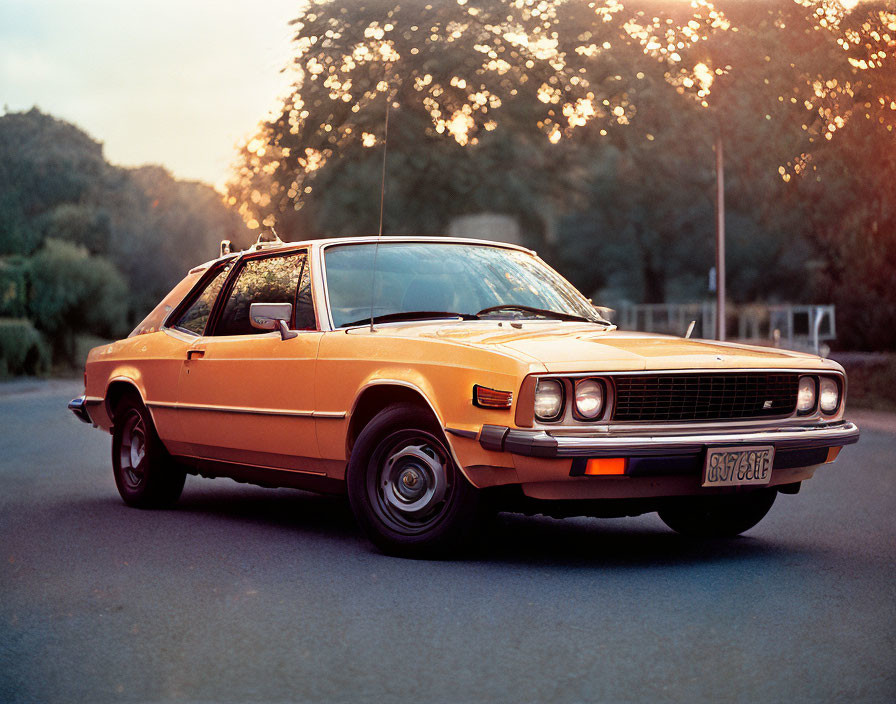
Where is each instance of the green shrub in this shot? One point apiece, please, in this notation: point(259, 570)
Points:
point(72, 293)
point(12, 287)
point(22, 349)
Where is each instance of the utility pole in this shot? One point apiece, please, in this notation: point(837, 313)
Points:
point(720, 240)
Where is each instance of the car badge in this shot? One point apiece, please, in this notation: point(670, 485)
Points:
point(766, 405)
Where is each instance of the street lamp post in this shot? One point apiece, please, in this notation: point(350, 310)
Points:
point(720, 241)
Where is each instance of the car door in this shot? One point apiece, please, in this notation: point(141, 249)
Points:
point(246, 395)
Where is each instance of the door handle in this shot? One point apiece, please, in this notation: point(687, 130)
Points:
point(195, 353)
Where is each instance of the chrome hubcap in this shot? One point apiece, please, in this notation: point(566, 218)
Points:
point(132, 454)
point(413, 479)
point(409, 483)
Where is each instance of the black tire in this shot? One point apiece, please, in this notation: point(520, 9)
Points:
point(717, 516)
point(406, 491)
point(145, 474)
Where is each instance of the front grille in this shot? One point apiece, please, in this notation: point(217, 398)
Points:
point(706, 396)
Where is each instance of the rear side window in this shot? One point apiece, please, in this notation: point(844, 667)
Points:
point(195, 318)
point(268, 280)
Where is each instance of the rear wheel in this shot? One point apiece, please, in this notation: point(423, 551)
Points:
point(145, 474)
point(718, 516)
point(406, 492)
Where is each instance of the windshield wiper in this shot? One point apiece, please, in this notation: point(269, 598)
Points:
point(539, 311)
point(410, 315)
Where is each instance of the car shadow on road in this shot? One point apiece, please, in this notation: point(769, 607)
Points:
point(595, 542)
point(509, 538)
point(212, 510)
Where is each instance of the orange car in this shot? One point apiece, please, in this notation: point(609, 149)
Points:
point(435, 379)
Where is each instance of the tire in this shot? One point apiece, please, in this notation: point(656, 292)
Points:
point(718, 516)
point(145, 474)
point(406, 491)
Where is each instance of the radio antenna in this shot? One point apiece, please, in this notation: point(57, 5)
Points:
point(382, 204)
point(383, 178)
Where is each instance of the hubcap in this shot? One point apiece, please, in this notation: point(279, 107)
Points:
point(410, 484)
point(132, 454)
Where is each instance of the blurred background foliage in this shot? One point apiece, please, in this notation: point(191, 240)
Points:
point(87, 248)
point(590, 123)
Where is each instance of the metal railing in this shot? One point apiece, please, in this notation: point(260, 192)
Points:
point(791, 326)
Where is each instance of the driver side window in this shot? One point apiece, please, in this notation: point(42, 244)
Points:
point(267, 280)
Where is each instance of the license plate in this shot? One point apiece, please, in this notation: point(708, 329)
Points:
point(733, 466)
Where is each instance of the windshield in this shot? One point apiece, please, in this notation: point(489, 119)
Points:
point(460, 279)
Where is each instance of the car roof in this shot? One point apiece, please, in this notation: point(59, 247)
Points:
point(367, 239)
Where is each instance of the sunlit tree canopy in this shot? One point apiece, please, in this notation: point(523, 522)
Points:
point(558, 70)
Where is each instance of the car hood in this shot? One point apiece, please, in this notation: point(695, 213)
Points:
point(571, 347)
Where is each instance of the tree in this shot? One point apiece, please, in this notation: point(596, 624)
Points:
point(487, 94)
point(64, 207)
point(545, 109)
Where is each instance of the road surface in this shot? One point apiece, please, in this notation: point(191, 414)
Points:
point(243, 594)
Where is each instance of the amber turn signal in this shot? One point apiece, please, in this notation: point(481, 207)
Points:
point(491, 398)
point(605, 465)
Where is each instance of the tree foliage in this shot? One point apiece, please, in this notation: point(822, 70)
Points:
point(73, 292)
point(592, 123)
point(86, 246)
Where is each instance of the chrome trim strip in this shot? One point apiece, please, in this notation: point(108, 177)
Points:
point(461, 433)
point(78, 406)
point(230, 409)
point(333, 415)
point(575, 447)
point(538, 443)
point(254, 466)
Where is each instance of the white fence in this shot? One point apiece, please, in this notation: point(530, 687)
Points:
point(799, 327)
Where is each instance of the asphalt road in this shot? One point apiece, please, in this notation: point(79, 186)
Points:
point(244, 594)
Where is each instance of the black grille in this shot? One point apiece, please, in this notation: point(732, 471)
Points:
point(671, 397)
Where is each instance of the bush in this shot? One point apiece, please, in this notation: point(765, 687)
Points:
point(73, 292)
point(22, 349)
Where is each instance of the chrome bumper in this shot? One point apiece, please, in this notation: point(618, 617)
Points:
point(78, 406)
point(538, 443)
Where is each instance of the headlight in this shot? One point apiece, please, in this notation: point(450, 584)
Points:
point(828, 395)
point(805, 396)
point(548, 399)
point(589, 399)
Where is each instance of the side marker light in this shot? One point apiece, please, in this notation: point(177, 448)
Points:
point(605, 466)
point(491, 398)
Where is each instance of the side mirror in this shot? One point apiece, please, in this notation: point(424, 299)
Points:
point(272, 316)
point(604, 312)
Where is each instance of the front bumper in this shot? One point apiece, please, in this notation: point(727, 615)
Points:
point(538, 443)
point(78, 406)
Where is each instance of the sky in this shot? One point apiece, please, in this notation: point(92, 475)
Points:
point(171, 82)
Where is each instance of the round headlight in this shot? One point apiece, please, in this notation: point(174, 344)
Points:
point(548, 399)
point(828, 395)
point(805, 396)
point(589, 399)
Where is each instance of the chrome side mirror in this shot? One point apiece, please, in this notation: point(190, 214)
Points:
point(272, 316)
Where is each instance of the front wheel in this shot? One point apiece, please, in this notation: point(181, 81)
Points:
point(405, 490)
point(717, 516)
point(145, 474)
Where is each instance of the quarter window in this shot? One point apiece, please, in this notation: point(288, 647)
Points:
point(196, 316)
point(268, 280)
